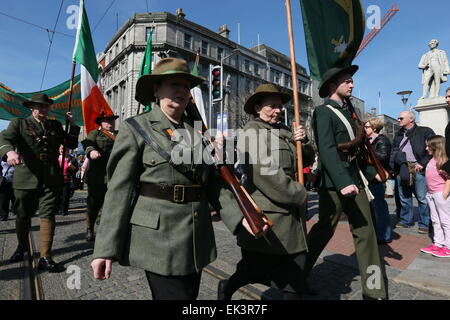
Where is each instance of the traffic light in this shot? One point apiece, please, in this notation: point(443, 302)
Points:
point(215, 83)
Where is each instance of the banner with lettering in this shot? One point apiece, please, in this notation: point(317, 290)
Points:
point(11, 102)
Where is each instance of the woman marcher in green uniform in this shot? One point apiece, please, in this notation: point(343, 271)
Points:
point(278, 259)
point(168, 230)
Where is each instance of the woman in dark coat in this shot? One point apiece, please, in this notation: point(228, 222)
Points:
point(379, 206)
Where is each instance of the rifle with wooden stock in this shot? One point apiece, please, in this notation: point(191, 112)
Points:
point(364, 145)
point(252, 213)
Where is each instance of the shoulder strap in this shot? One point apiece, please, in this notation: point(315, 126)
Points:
point(108, 134)
point(33, 130)
point(369, 194)
point(147, 136)
point(344, 120)
point(404, 143)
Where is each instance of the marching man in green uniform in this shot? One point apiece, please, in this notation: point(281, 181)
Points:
point(32, 145)
point(98, 146)
point(342, 187)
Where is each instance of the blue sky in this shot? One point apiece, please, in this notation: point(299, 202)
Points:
point(387, 65)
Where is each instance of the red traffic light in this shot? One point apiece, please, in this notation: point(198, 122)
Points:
point(216, 73)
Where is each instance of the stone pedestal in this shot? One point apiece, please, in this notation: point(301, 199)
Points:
point(433, 113)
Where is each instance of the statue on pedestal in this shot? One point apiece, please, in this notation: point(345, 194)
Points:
point(435, 68)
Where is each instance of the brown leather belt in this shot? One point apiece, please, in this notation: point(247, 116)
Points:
point(178, 193)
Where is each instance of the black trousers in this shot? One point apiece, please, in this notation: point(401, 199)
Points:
point(65, 197)
point(283, 272)
point(6, 197)
point(174, 287)
point(95, 199)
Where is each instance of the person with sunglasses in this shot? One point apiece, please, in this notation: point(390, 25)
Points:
point(409, 158)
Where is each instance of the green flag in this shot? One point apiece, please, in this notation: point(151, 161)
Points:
point(334, 30)
point(146, 64)
point(11, 102)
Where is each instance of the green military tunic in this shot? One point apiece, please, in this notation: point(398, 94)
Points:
point(274, 189)
point(337, 172)
point(101, 142)
point(96, 177)
point(40, 153)
point(37, 181)
point(155, 234)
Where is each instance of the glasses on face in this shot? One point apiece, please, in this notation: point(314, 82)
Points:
point(367, 126)
point(400, 118)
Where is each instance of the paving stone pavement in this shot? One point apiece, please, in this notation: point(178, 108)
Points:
point(334, 275)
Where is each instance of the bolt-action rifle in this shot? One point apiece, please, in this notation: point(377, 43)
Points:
point(252, 213)
point(362, 143)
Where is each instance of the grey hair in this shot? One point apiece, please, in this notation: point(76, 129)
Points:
point(411, 115)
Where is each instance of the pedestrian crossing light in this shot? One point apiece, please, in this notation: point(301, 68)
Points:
point(215, 83)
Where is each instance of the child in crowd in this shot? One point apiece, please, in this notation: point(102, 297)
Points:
point(438, 198)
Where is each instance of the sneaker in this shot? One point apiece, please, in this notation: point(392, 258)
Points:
point(430, 249)
point(423, 230)
point(402, 225)
point(443, 252)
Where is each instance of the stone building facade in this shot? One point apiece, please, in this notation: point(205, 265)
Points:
point(174, 35)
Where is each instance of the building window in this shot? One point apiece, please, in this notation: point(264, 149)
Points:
point(247, 65)
point(187, 41)
point(275, 77)
point(124, 42)
point(122, 93)
point(256, 66)
point(205, 47)
point(149, 30)
point(219, 53)
point(287, 81)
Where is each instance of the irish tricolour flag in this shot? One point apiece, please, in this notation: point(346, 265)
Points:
point(93, 102)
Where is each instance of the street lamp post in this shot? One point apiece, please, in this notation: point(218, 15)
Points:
point(405, 95)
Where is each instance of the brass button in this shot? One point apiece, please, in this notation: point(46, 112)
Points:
point(153, 162)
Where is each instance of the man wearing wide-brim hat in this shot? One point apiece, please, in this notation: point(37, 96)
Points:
point(156, 214)
point(98, 146)
point(32, 145)
point(341, 185)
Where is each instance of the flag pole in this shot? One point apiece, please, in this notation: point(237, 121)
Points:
point(295, 91)
point(63, 156)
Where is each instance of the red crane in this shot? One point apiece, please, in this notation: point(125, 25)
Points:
point(388, 16)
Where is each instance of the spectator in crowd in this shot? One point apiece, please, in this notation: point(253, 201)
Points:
point(6, 190)
point(446, 166)
point(409, 158)
point(380, 210)
point(438, 198)
point(70, 168)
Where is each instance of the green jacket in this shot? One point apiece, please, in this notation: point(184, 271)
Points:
point(157, 235)
point(97, 140)
point(274, 189)
point(39, 153)
point(329, 131)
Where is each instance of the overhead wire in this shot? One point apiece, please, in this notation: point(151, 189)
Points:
point(101, 19)
point(35, 25)
point(50, 44)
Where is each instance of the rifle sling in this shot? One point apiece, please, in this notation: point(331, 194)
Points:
point(147, 136)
